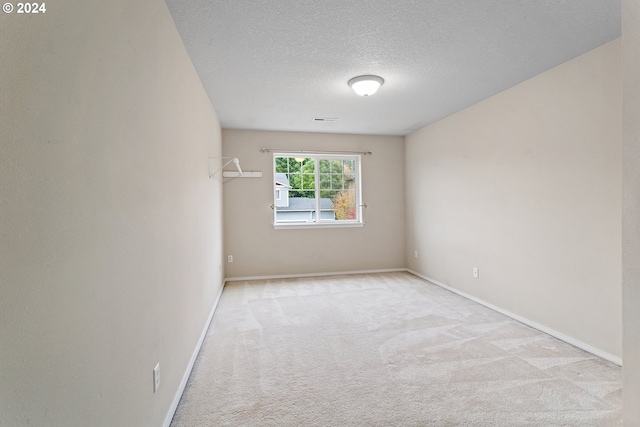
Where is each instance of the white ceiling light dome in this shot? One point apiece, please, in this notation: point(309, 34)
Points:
point(366, 85)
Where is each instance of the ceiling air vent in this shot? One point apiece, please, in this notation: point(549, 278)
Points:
point(325, 119)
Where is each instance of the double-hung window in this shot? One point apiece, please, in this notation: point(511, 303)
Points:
point(316, 190)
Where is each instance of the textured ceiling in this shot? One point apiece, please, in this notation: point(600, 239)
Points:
point(276, 65)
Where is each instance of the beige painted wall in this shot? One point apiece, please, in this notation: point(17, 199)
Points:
point(526, 186)
point(110, 229)
point(260, 250)
point(631, 210)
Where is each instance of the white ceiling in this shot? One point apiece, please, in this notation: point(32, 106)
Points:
point(276, 65)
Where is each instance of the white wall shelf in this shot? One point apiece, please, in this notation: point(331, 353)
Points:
point(244, 174)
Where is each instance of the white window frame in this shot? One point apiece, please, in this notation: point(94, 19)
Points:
point(322, 223)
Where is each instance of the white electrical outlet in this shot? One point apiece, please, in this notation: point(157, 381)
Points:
point(156, 377)
point(476, 272)
point(415, 254)
point(229, 258)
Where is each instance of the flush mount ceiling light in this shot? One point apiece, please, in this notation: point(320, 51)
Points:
point(365, 85)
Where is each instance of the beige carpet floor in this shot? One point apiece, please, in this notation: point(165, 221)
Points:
point(386, 350)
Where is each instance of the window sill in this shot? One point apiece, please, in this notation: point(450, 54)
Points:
point(317, 225)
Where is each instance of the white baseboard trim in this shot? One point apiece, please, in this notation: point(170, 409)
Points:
point(574, 342)
point(295, 276)
point(194, 355)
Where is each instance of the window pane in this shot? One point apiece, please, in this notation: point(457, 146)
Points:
point(282, 165)
point(344, 205)
point(308, 181)
point(295, 181)
point(295, 199)
point(349, 167)
point(325, 181)
point(325, 166)
point(336, 181)
point(304, 197)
